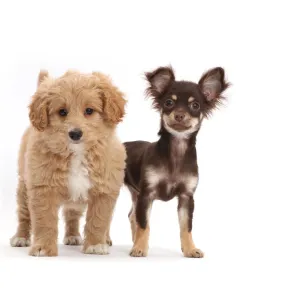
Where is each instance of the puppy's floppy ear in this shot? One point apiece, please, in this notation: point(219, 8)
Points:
point(38, 111)
point(160, 79)
point(113, 99)
point(38, 107)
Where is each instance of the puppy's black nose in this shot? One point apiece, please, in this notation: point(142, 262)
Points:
point(75, 134)
point(179, 116)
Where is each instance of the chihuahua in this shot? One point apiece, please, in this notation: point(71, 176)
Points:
point(168, 168)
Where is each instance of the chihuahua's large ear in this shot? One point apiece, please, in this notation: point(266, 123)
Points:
point(113, 99)
point(213, 84)
point(160, 79)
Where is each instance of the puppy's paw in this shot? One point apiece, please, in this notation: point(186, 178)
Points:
point(138, 252)
point(101, 249)
point(39, 250)
point(16, 241)
point(195, 253)
point(73, 240)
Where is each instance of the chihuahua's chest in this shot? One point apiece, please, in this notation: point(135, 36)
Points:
point(166, 184)
point(78, 178)
point(173, 176)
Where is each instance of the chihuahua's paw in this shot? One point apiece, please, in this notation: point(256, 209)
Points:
point(195, 253)
point(73, 240)
point(16, 241)
point(101, 249)
point(40, 250)
point(138, 252)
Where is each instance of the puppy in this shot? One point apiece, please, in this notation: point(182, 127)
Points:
point(70, 156)
point(168, 168)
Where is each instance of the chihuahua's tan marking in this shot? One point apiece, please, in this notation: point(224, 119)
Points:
point(174, 97)
point(140, 247)
point(191, 99)
point(187, 243)
point(141, 238)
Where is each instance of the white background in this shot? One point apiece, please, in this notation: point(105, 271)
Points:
point(247, 203)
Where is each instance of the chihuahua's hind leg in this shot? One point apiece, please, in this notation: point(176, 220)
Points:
point(22, 236)
point(142, 212)
point(131, 215)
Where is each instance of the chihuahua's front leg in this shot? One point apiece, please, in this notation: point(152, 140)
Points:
point(185, 216)
point(142, 213)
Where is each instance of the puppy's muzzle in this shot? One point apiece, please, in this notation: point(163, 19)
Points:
point(75, 134)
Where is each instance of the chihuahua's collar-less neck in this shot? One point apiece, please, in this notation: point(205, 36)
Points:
point(169, 139)
point(175, 148)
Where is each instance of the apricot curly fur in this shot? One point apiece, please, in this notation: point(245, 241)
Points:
point(46, 155)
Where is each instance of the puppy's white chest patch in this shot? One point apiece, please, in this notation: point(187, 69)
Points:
point(79, 181)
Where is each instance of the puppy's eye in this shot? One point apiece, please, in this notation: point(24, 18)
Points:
point(169, 103)
point(195, 106)
point(63, 112)
point(88, 111)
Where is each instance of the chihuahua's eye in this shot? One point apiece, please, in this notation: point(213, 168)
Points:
point(89, 111)
point(169, 103)
point(195, 106)
point(63, 112)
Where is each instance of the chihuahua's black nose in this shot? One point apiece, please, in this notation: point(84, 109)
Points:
point(75, 134)
point(179, 116)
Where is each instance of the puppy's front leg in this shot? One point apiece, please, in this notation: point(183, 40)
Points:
point(98, 219)
point(185, 216)
point(43, 205)
point(142, 213)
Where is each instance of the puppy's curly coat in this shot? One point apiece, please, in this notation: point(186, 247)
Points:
point(70, 156)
